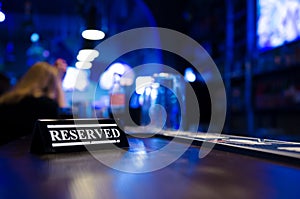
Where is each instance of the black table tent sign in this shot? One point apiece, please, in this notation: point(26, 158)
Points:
point(73, 135)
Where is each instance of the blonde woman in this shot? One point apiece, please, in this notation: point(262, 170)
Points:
point(37, 95)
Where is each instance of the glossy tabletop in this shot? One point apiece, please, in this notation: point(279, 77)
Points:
point(85, 175)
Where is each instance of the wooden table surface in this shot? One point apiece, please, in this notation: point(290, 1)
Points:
point(80, 175)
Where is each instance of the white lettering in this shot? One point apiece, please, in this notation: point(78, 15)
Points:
point(54, 135)
point(99, 133)
point(81, 135)
point(90, 134)
point(116, 133)
point(84, 134)
point(73, 135)
point(64, 134)
point(107, 133)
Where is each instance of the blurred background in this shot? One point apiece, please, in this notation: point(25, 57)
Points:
point(254, 43)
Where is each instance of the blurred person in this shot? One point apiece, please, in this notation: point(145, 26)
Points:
point(37, 95)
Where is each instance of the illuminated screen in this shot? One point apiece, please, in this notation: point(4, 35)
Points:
point(278, 23)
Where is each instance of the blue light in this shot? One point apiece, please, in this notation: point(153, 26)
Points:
point(34, 37)
point(189, 75)
point(2, 16)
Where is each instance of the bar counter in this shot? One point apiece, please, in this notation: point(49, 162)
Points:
point(221, 174)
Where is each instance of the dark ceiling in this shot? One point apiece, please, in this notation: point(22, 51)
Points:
point(40, 7)
point(203, 20)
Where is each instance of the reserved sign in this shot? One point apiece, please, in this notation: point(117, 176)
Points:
point(51, 136)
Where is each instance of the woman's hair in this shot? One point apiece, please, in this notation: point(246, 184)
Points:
point(40, 80)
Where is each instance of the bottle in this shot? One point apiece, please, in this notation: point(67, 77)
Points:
point(117, 98)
